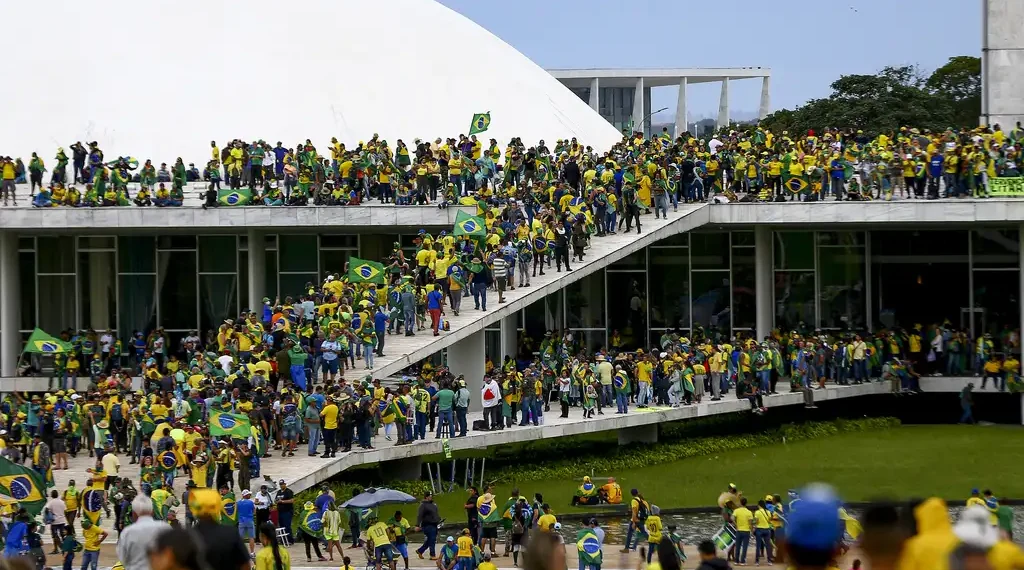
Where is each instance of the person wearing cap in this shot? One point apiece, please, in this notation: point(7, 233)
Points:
point(449, 555)
point(814, 533)
point(246, 511)
point(465, 551)
point(653, 527)
point(224, 548)
point(285, 500)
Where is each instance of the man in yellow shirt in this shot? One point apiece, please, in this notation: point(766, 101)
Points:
point(742, 518)
point(465, 550)
point(547, 520)
point(763, 533)
point(378, 534)
point(330, 427)
point(653, 528)
point(94, 537)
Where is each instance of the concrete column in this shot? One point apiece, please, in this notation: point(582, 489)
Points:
point(10, 305)
point(638, 434)
point(638, 105)
point(723, 105)
point(509, 337)
point(766, 98)
point(681, 108)
point(466, 357)
point(595, 94)
point(763, 294)
point(257, 270)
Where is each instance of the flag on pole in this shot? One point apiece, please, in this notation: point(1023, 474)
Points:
point(41, 343)
point(481, 121)
point(363, 271)
point(23, 485)
point(467, 225)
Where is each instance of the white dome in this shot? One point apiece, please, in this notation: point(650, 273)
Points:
point(160, 79)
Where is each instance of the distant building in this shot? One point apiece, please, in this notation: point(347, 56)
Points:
point(623, 96)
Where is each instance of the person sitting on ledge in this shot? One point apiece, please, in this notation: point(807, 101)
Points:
point(586, 494)
point(611, 492)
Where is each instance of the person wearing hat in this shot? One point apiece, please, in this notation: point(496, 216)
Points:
point(246, 511)
point(449, 556)
point(223, 546)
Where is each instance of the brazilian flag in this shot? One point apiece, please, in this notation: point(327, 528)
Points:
point(540, 245)
point(229, 197)
point(363, 271)
point(467, 225)
point(458, 275)
point(23, 485)
point(481, 122)
point(228, 510)
point(488, 511)
point(234, 425)
point(167, 461)
point(794, 184)
point(589, 547)
point(92, 504)
point(311, 523)
point(41, 343)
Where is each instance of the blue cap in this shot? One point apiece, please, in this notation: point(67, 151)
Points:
point(816, 524)
point(975, 491)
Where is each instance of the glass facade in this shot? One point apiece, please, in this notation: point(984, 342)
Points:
point(820, 279)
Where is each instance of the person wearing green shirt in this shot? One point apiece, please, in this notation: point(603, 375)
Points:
point(297, 357)
point(445, 397)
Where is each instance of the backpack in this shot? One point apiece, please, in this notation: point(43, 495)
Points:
point(642, 510)
point(117, 413)
point(291, 422)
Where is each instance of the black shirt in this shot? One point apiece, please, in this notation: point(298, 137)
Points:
point(285, 507)
point(224, 549)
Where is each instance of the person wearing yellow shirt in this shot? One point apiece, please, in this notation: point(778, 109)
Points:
point(455, 173)
point(763, 534)
point(465, 550)
point(653, 528)
point(378, 534)
point(547, 521)
point(93, 536)
point(612, 492)
point(743, 520)
point(330, 427)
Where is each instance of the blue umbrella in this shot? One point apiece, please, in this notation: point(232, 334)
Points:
point(372, 498)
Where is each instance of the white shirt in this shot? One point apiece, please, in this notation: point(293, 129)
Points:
point(262, 500)
point(713, 145)
point(181, 409)
point(57, 508)
point(158, 345)
point(225, 361)
point(111, 464)
point(106, 341)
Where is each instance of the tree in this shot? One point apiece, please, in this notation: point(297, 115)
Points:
point(959, 81)
point(895, 97)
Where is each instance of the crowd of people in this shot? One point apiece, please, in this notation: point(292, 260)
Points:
point(752, 164)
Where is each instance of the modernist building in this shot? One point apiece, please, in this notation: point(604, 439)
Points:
point(623, 96)
point(740, 268)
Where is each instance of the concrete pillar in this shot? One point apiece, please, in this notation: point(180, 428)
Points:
point(638, 434)
point(509, 337)
point(466, 357)
point(638, 105)
point(681, 108)
point(10, 305)
point(405, 469)
point(257, 270)
point(723, 105)
point(763, 294)
point(595, 94)
point(766, 98)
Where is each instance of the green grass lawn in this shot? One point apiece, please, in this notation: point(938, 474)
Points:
point(911, 461)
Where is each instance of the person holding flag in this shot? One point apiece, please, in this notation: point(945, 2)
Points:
point(589, 540)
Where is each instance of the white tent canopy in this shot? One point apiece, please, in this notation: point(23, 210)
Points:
point(161, 79)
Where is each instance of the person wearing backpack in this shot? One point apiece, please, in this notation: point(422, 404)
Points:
point(639, 509)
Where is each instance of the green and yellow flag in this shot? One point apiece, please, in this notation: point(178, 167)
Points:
point(229, 197)
point(233, 425)
point(23, 485)
point(481, 121)
point(467, 225)
point(41, 343)
point(589, 547)
point(363, 271)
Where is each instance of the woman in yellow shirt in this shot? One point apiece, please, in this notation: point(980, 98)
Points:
point(763, 533)
point(271, 556)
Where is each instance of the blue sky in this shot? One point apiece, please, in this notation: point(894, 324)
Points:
point(807, 44)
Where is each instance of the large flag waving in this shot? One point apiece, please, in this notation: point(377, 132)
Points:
point(92, 504)
point(42, 343)
point(363, 271)
point(481, 121)
point(487, 509)
point(23, 485)
point(234, 425)
point(467, 225)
